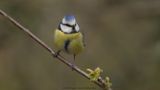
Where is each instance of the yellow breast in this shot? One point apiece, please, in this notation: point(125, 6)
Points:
point(75, 45)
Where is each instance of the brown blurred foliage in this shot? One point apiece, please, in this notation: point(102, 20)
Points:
point(122, 38)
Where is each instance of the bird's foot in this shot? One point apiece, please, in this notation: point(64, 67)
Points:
point(73, 67)
point(57, 53)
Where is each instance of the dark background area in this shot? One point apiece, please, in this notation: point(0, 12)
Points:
point(122, 38)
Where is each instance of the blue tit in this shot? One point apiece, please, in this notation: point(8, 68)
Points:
point(67, 37)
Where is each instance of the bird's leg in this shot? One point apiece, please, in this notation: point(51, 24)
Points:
point(74, 59)
point(57, 53)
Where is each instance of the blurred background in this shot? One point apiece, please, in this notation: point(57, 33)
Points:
point(122, 37)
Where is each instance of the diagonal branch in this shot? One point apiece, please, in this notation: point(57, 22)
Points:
point(99, 82)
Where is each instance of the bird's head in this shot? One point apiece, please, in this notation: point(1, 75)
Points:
point(69, 24)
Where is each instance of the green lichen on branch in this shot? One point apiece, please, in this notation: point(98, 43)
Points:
point(108, 83)
point(95, 75)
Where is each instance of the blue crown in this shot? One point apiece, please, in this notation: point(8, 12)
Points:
point(69, 17)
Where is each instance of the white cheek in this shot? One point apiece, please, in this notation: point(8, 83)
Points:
point(77, 27)
point(66, 29)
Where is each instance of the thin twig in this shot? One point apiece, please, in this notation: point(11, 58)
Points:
point(99, 82)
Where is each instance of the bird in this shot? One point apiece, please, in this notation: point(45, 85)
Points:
point(68, 38)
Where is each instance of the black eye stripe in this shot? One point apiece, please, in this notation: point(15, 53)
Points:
point(69, 25)
point(72, 26)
